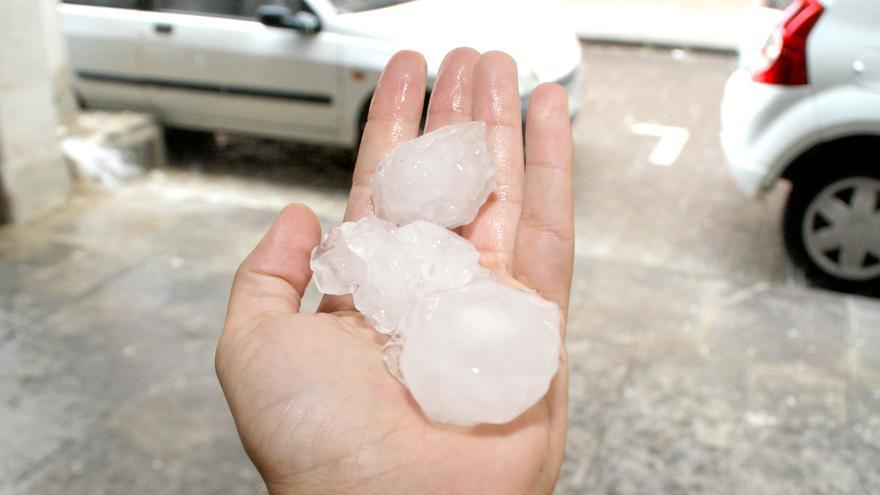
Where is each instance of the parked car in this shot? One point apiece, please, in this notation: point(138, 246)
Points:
point(293, 69)
point(810, 113)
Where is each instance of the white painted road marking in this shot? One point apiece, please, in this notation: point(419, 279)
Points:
point(672, 141)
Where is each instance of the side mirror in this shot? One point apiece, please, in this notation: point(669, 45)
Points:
point(283, 17)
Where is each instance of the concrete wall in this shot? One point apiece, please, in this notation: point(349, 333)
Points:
point(33, 175)
point(57, 62)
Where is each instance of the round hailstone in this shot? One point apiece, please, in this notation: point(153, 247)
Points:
point(443, 177)
point(483, 353)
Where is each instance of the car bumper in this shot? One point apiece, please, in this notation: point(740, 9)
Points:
point(573, 84)
point(761, 128)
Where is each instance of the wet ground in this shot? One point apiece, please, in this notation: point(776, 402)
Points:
point(701, 363)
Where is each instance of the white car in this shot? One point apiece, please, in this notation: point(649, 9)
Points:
point(292, 69)
point(810, 113)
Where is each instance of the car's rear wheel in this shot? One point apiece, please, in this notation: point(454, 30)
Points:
point(832, 228)
point(187, 143)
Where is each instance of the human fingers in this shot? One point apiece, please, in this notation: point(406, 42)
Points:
point(451, 98)
point(393, 119)
point(545, 238)
point(272, 279)
point(496, 101)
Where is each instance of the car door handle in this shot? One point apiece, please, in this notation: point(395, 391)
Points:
point(163, 28)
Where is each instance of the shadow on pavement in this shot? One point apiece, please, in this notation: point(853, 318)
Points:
point(263, 160)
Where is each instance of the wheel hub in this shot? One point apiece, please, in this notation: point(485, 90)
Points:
point(841, 229)
point(861, 227)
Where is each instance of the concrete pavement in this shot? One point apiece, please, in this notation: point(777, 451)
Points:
point(699, 364)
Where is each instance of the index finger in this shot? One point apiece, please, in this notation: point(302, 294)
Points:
point(394, 118)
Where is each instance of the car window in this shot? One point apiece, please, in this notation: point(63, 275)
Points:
point(227, 8)
point(210, 7)
point(120, 4)
point(249, 7)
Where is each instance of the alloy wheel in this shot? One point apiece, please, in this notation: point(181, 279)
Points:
point(841, 229)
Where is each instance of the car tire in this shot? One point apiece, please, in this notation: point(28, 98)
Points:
point(831, 228)
point(187, 143)
point(80, 101)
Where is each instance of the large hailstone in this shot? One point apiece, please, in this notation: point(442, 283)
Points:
point(389, 268)
point(470, 349)
point(443, 177)
point(483, 353)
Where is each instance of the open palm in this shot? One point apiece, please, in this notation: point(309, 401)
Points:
point(314, 405)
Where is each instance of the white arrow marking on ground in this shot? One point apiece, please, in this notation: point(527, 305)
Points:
point(672, 141)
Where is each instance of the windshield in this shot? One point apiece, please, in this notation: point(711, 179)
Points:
point(344, 6)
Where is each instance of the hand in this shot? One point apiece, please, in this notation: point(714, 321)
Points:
point(314, 405)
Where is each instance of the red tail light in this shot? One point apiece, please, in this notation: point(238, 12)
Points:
point(786, 48)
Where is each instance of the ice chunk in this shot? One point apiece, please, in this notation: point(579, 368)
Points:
point(442, 259)
point(339, 262)
point(389, 268)
point(480, 354)
point(367, 236)
point(442, 177)
point(334, 267)
point(110, 166)
point(470, 349)
point(420, 258)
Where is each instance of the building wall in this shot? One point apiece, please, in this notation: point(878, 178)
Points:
point(57, 62)
point(33, 175)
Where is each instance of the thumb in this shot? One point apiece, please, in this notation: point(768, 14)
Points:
point(272, 279)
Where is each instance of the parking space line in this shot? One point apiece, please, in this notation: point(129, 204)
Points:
point(672, 141)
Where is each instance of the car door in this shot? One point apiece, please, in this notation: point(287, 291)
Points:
point(103, 39)
point(212, 65)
